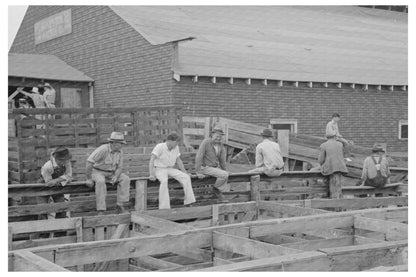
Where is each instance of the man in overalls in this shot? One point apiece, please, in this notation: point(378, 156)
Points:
point(56, 172)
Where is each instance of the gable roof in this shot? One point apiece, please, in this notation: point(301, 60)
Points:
point(345, 44)
point(47, 67)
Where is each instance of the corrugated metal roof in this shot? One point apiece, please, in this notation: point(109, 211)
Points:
point(43, 67)
point(301, 43)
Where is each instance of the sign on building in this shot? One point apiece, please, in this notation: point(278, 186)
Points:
point(54, 26)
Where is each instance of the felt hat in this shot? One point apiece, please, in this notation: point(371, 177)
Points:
point(267, 133)
point(117, 137)
point(218, 130)
point(47, 85)
point(35, 89)
point(378, 147)
point(62, 153)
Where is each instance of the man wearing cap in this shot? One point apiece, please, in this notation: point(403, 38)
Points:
point(56, 172)
point(49, 94)
point(164, 157)
point(332, 129)
point(211, 160)
point(376, 171)
point(105, 164)
point(268, 156)
point(332, 164)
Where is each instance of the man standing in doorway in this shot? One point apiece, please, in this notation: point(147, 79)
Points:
point(332, 129)
point(105, 164)
point(164, 157)
point(211, 160)
point(332, 164)
point(268, 156)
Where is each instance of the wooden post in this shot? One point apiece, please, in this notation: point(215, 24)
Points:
point(255, 191)
point(214, 215)
point(335, 190)
point(10, 238)
point(141, 195)
point(206, 127)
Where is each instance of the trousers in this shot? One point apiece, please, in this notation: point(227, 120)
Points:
point(162, 174)
point(123, 188)
point(221, 175)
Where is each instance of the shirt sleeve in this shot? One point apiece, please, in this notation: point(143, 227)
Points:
point(200, 155)
point(157, 151)
point(259, 156)
point(96, 155)
point(47, 171)
point(223, 157)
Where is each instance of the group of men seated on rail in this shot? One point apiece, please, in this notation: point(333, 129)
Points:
point(105, 165)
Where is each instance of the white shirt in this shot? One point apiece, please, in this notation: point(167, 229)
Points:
point(268, 155)
point(165, 157)
point(49, 96)
point(47, 171)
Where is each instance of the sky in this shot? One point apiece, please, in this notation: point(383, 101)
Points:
point(15, 16)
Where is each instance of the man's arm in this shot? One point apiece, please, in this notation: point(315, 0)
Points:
point(259, 157)
point(180, 165)
point(46, 172)
point(223, 158)
point(152, 167)
point(199, 156)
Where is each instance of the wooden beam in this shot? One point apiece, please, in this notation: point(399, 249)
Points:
point(248, 247)
point(306, 261)
point(214, 80)
point(364, 240)
point(327, 233)
point(279, 239)
point(288, 209)
point(393, 230)
point(43, 225)
point(141, 195)
point(27, 261)
point(358, 203)
point(161, 225)
point(148, 261)
point(105, 220)
point(312, 245)
point(403, 267)
point(231, 81)
point(214, 219)
point(248, 81)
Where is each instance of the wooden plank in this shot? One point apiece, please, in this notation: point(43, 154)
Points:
point(161, 225)
point(359, 203)
point(22, 244)
point(248, 247)
point(181, 213)
point(27, 261)
point(287, 209)
point(99, 251)
point(327, 233)
point(312, 245)
point(363, 240)
point(403, 267)
point(214, 220)
point(43, 225)
point(141, 195)
point(137, 268)
point(104, 220)
point(279, 239)
point(153, 263)
point(306, 261)
point(362, 257)
point(218, 261)
point(393, 230)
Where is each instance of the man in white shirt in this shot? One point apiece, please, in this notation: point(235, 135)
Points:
point(49, 95)
point(164, 157)
point(332, 130)
point(268, 156)
point(56, 172)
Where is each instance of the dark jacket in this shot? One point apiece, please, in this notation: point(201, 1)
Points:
point(331, 157)
point(206, 156)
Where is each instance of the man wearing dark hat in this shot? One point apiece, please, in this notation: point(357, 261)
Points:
point(211, 160)
point(56, 172)
point(268, 156)
point(331, 159)
point(106, 164)
point(376, 171)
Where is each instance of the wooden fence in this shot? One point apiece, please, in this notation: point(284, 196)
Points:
point(84, 127)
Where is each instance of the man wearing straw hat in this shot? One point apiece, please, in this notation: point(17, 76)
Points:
point(376, 170)
point(268, 156)
point(331, 159)
point(56, 172)
point(211, 160)
point(105, 164)
point(49, 94)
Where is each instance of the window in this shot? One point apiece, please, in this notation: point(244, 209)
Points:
point(284, 124)
point(403, 129)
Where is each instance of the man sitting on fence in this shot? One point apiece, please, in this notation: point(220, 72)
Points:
point(376, 170)
point(211, 160)
point(268, 156)
point(105, 164)
point(332, 128)
point(56, 172)
point(164, 157)
point(332, 164)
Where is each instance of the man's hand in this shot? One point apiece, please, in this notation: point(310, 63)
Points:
point(152, 178)
point(114, 180)
point(52, 183)
point(89, 183)
point(200, 175)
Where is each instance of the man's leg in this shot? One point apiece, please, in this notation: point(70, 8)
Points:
point(185, 180)
point(100, 190)
point(164, 200)
point(222, 178)
point(347, 147)
point(123, 191)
